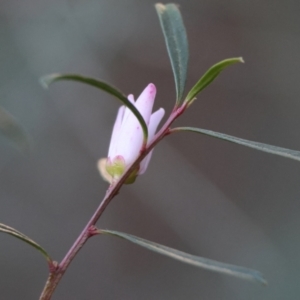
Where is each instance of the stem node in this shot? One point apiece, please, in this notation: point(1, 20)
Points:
point(93, 230)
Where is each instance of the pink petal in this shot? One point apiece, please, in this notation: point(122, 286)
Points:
point(127, 110)
point(116, 131)
point(144, 163)
point(155, 119)
point(145, 102)
point(131, 98)
point(131, 136)
point(130, 140)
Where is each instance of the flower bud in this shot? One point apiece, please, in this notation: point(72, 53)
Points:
point(127, 137)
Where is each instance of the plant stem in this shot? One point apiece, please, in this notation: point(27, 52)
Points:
point(89, 230)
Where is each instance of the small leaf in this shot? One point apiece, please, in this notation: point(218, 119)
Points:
point(210, 75)
point(292, 154)
point(197, 261)
point(10, 128)
point(48, 79)
point(177, 44)
point(13, 232)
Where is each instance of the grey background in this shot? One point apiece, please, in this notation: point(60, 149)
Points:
point(200, 195)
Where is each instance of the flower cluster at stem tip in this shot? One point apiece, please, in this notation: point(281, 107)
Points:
point(127, 137)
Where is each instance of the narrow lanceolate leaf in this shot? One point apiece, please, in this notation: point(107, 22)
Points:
point(48, 79)
point(13, 232)
point(10, 128)
point(177, 44)
point(292, 154)
point(210, 75)
point(197, 261)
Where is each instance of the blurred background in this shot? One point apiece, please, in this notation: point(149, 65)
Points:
point(200, 195)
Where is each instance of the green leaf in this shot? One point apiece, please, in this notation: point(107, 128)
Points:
point(210, 76)
point(292, 154)
point(10, 128)
point(197, 261)
point(177, 44)
point(48, 79)
point(13, 232)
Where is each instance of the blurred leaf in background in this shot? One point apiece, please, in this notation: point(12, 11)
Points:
point(12, 130)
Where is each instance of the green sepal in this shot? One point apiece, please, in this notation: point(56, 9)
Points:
point(116, 168)
point(132, 177)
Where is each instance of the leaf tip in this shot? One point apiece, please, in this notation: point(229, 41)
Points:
point(46, 80)
point(43, 82)
point(260, 278)
point(241, 60)
point(160, 7)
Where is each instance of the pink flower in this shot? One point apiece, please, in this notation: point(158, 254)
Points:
point(127, 136)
